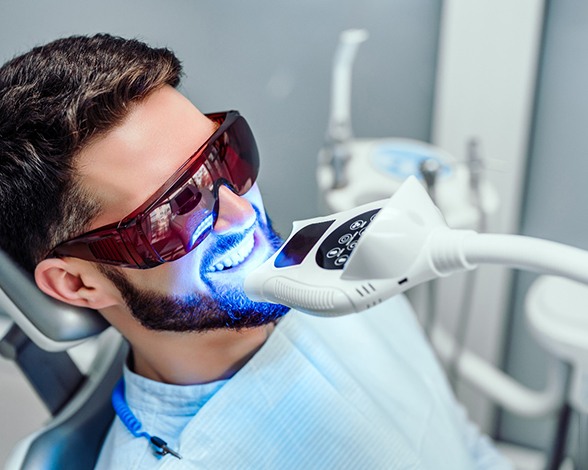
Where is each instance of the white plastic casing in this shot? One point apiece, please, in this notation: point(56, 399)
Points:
point(389, 258)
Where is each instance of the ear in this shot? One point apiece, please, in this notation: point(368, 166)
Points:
point(74, 282)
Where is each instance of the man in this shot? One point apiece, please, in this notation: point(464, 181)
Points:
point(121, 196)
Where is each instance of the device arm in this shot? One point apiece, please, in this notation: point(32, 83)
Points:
point(457, 250)
point(531, 254)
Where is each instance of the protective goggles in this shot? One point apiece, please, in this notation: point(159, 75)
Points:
point(181, 214)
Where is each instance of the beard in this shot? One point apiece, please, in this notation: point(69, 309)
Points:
point(223, 307)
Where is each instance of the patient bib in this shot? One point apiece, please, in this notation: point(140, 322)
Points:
point(356, 392)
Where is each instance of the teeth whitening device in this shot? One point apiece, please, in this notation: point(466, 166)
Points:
point(356, 259)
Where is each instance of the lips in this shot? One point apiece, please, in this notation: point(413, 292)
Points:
point(236, 255)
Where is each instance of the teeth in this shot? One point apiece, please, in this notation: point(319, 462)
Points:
point(237, 256)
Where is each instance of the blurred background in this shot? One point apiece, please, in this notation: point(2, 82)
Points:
point(511, 75)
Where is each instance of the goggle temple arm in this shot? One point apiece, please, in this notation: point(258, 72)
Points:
point(110, 247)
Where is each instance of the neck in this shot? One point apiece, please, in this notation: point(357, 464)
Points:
point(192, 358)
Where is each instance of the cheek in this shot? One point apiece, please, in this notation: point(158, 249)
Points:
point(179, 277)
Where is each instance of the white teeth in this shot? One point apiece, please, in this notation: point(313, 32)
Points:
point(237, 256)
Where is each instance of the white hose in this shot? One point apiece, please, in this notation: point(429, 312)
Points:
point(531, 254)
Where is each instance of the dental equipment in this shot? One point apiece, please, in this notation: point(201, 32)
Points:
point(352, 171)
point(475, 166)
point(339, 132)
point(335, 265)
point(353, 260)
point(556, 315)
point(44, 341)
point(429, 169)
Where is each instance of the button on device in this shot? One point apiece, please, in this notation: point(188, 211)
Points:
point(330, 253)
point(345, 239)
point(334, 253)
point(358, 224)
point(341, 260)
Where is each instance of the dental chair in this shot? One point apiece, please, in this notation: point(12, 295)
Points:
point(42, 333)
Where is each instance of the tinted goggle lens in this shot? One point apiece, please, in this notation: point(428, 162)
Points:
point(182, 213)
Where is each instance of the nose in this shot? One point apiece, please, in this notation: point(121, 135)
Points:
point(234, 212)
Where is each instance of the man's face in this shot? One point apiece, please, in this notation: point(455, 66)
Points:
point(202, 290)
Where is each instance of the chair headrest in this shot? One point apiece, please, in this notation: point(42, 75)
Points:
point(52, 325)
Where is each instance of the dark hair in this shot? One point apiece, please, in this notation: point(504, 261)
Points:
point(53, 101)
